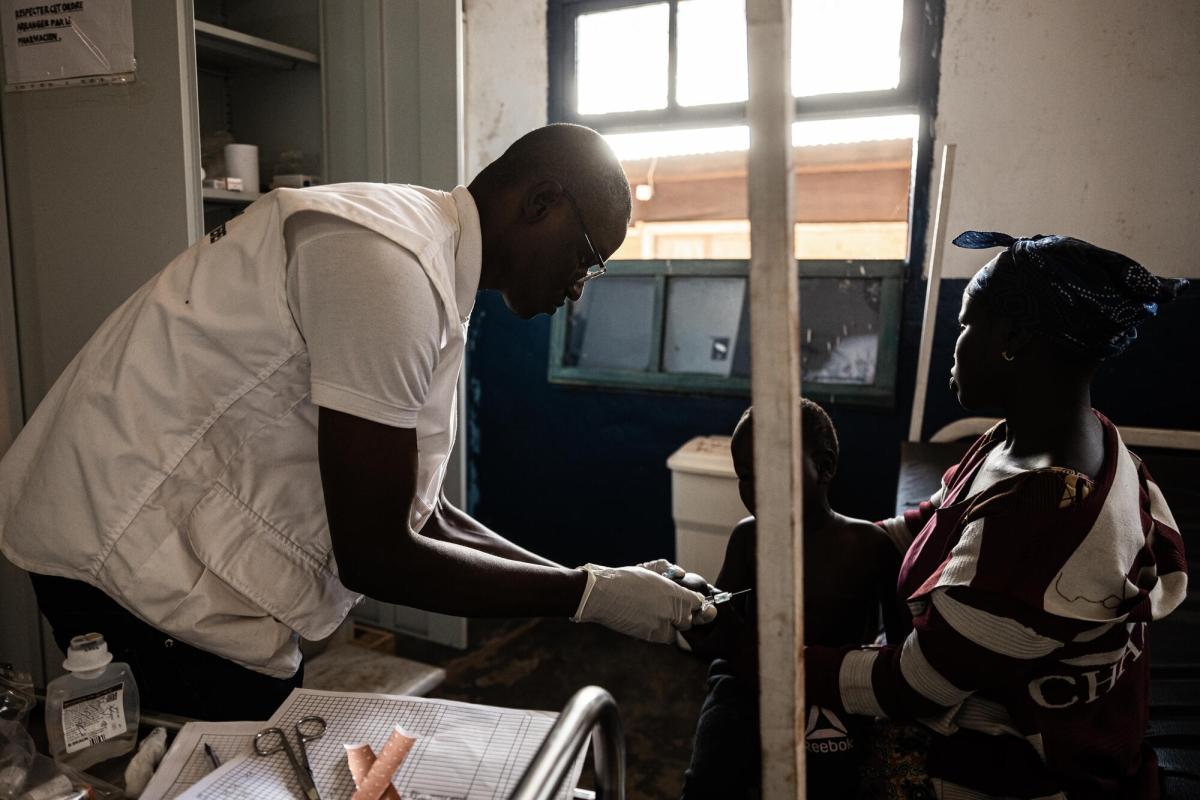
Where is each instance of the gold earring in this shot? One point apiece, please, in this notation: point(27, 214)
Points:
point(1007, 357)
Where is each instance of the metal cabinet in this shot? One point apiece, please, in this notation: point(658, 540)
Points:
point(258, 81)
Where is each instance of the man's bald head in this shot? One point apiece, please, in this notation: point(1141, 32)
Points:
point(584, 165)
point(552, 192)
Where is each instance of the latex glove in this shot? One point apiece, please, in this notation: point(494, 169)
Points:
point(638, 602)
point(690, 580)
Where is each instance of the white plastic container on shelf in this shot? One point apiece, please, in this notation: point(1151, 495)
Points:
point(704, 502)
point(92, 712)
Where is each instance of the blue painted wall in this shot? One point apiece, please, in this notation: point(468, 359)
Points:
point(580, 474)
point(575, 474)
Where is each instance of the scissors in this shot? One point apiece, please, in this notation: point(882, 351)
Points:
point(272, 740)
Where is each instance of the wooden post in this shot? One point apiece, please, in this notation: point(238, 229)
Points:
point(775, 327)
point(932, 291)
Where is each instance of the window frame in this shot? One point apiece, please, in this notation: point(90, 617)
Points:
point(915, 93)
point(880, 393)
point(560, 22)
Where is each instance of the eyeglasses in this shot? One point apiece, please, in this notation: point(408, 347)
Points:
point(599, 267)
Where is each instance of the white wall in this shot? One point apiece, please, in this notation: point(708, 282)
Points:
point(506, 75)
point(1078, 117)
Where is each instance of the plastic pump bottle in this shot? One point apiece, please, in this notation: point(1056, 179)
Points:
point(92, 712)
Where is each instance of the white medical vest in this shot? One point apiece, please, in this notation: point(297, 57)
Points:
point(173, 464)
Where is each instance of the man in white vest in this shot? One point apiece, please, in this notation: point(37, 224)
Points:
point(257, 438)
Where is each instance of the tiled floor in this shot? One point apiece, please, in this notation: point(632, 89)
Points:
point(539, 664)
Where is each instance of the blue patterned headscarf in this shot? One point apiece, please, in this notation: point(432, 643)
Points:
point(1084, 297)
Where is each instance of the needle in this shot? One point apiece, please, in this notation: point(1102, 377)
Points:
point(722, 597)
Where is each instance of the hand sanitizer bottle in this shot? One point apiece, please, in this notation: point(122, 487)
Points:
point(92, 712)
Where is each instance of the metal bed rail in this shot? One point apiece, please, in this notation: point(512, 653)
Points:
point(591, 712)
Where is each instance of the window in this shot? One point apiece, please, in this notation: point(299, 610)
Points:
point(685, 326)
point(666, 83)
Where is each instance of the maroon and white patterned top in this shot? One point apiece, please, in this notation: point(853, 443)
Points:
point(1030, 604)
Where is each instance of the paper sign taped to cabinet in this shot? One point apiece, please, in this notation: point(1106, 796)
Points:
point(71, 42)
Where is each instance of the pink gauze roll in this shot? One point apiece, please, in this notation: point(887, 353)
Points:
point(360, 757)
point(378, 778)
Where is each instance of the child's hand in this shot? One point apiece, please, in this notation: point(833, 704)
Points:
point(696, 583)
point(689, 580)
point(719, 638)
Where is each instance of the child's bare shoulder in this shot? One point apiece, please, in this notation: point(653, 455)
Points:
point(866, 537)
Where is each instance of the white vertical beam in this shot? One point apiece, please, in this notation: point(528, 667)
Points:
point(774, 317)
point(189, 88)
point(932, 291)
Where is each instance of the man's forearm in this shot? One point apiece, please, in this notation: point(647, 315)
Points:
point(453, 525)
point(368, 474)
point(419, 571)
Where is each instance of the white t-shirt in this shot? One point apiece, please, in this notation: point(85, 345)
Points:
point(369, 315)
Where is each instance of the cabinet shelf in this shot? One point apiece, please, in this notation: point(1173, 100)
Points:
point(224, 47)
point(228, 197)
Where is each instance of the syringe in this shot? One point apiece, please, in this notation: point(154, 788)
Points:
point(720, 597)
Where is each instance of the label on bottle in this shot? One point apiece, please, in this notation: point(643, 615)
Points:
point(94, 718)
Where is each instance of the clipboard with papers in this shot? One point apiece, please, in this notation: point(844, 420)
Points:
point(462, 751)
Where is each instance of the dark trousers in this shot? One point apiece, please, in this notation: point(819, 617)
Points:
point(172, 677)
point(727, 753)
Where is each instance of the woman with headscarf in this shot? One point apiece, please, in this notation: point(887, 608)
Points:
point(1036, 567)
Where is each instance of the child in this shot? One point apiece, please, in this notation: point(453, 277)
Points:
point(850, 569)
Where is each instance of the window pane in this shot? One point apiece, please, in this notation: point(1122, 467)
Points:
point(840, 340)
point(612, 325)
point(852, 181)
point(703, 320)
point(621, 59)
point(845, 45)
point(711, 52)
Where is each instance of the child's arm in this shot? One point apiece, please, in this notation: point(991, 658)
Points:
point(904, 528)
point(732, 635)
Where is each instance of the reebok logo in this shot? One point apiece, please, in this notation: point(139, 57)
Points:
point(825, 733)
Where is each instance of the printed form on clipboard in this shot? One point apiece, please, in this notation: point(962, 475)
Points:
point(463, 751)
point(187, 763)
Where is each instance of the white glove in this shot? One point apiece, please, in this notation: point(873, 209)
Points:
point(665, 568)
point(678, 574)
point(638, 602)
